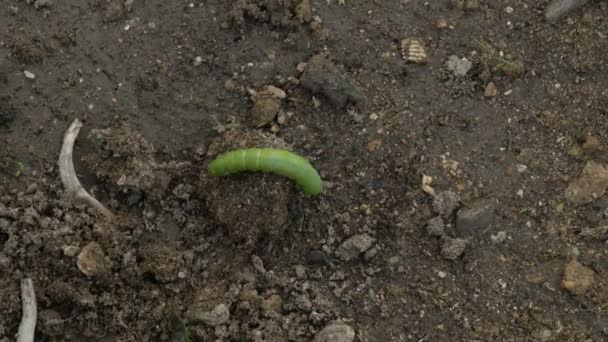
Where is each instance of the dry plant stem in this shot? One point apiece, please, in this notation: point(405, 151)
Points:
point(30, 312)
point(69, 179)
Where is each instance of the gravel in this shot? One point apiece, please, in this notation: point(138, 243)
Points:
point(435, 226)
point(452, 249)
point(355, 245)
point(336, 332)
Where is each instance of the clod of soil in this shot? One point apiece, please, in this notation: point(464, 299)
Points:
point(336, 332)
point(590, 185)
point(125, 158)
point(91, 260)
point(248, 204)
point(27, 48)
point(279, 13)
point(354, 246)
point(322, 76)
point(578, 279)
point(266, 105)
point(161, 263)
point(435, 226)
point(452, 249)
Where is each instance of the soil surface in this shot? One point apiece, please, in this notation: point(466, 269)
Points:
point(462, 146)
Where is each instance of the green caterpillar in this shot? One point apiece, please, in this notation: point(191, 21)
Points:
point(281, 162)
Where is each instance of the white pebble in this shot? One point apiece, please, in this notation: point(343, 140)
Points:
point(499, 237)
point(29, 75)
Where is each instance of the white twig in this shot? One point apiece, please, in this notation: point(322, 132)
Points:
point(30, 312)
point(69, 179)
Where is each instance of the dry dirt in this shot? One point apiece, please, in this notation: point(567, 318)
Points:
point(481, 148)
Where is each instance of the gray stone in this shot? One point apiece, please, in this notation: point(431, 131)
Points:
point(219, 315)
point(355, 245)
point(5, 262)
point(452, 249)
point(300, 272)
point(435, 226)
point(473, 220)
point(459, 66)
point(336, 332)
point(557, 9)
point(500, 237)
point(4, 223)
point(321, 76)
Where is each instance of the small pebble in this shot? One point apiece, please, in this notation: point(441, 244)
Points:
point(218, 316)
point(459, 66)
point(42, 4)
point(336, 332)
point(91, 260)
point(70, 251)
point(509, 10)
point(445, 203)
point(257, 263)
point(490, 90)
point(29, 75)
point(577, 279)
point(452, 249)
point(229, 85)
point(273, 303)
point(353, 246)
point(441, 24)
point(300, 272)
point(435, 226)
point(500, 237)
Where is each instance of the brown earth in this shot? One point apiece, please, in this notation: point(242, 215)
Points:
point(169, 84)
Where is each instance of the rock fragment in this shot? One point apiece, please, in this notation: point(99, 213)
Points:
point(266, 105)
point(91, 260)
point(490, 90)
point(452, 249)
point(445, 203)
point(322, 76)
point(459, 66)
point(435, 226)
point(336, 332)
point(218, 316)
point(590, 185)
point(577, 279)
point(353, 246)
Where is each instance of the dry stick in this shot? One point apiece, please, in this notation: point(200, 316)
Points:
point(30, 312)
point(69, 179)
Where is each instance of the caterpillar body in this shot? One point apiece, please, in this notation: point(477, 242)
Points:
point(281, 162)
